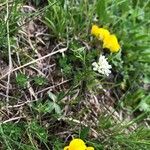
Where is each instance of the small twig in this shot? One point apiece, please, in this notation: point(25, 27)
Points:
point(37, 70)
point(9, 52)
point(7, 95)
point(32, 93)
point(4, 87)
point(79, 122)
point(19, 105)
point(33, 61)
point(51, 87)
point(4, 3)
point(11, 119)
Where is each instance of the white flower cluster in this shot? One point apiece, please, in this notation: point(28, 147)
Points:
point(102, 66)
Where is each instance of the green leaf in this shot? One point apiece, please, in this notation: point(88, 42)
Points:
point(22, 80)
point(144, 107)
point(37, 130)
point(51, 107)
point(52, 96)
point(47, 107)
point(145, 104)
point(57, 109)
point(146, 79)
point(39, 80)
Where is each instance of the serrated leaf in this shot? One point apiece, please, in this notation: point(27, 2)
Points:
point(145, 104)
point(146, 79)
point(144, 107)
point(22, 80)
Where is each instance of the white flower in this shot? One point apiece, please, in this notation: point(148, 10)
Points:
point(102, 66)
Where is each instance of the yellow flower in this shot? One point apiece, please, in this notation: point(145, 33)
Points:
point(100, 33)
point(77, 144)
point(103, 33)
point(111, 43)
point(95, 30)
point(109, 40)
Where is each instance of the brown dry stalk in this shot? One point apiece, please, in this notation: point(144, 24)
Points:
point(33, 61)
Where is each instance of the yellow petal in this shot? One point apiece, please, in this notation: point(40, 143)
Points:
point(95, 30)
point(103, 33)
point(90, 148)
point(77, 143)
point(66, 148)
point(99, 33)
point(111, 43)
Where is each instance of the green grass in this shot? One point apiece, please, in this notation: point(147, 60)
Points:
point(61, 97)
